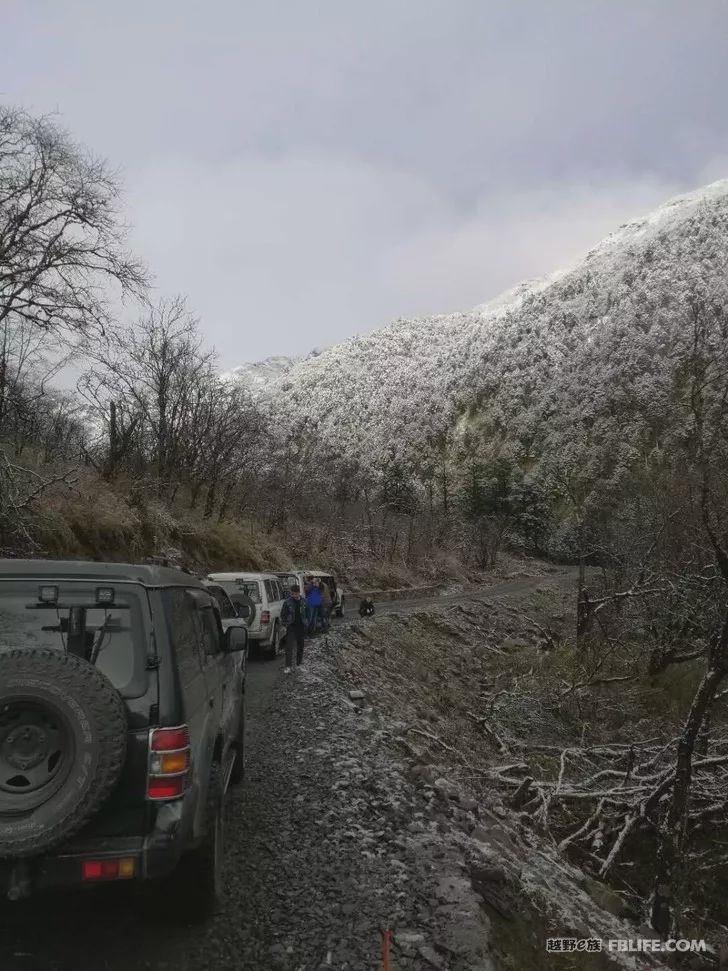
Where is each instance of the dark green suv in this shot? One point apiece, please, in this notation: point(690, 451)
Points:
point(121, 727)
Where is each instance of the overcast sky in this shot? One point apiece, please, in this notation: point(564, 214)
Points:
point(305, 171)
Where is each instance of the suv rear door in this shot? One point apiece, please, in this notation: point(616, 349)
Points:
point(275, 600)
point(254, 590)
point(287, 580)
point(121, 632)
point(223, 696)
point(186, 638)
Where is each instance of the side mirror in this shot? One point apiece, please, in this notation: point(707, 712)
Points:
point(236, 640)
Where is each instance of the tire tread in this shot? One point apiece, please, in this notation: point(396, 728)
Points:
point(106, 707)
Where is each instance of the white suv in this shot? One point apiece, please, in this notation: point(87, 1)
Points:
point(265, 627)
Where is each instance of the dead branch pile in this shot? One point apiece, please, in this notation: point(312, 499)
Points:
point(603, 794)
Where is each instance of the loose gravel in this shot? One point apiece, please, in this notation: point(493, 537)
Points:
point(330, 841)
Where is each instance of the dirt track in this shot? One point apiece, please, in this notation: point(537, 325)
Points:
point(319, 855)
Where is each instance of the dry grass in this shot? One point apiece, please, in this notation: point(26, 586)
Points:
point(125, 520)
point(97, 521)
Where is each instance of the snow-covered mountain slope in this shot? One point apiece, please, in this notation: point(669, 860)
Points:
point(260, 375)
point(558, 351)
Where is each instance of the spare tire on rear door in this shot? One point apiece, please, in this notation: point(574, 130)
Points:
point(244, 606)
point(62, 747)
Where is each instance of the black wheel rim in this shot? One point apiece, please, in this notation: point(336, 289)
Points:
point(36, 750)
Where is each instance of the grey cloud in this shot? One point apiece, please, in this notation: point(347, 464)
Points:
point(305, 171)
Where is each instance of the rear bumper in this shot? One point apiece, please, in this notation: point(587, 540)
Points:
point(154, 857)
point(265, 636)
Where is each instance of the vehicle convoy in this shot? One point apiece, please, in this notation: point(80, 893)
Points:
point(121, 727)
point(264, 592)
point(300, 576)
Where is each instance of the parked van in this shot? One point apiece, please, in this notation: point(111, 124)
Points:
point(265, 628)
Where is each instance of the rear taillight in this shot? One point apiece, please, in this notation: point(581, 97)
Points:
point(161, 788)
point(169, 739)
point(122, 869)
point(265, 616)
point(169, 762)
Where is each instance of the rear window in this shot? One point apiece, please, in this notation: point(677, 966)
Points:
point(113, 635)
point(249, 587)
point(287, 582)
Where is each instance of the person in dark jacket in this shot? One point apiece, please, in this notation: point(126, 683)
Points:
point(366, 607)
point(295, 615)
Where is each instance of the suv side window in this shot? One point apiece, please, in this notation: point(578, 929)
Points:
point(276, 590)
point(182, 621)
point(269, 591)
point(227, 610)
point(209, 632)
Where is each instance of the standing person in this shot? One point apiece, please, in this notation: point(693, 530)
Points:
point(327, 603)
point(294, 615)
point(315, 603)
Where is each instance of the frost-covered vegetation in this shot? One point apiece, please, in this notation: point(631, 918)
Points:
point(563, 379)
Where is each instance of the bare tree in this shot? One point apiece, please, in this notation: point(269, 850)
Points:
point(21, 491)
point(118, 442)
point(147, 379)
point(223, 429)
point(61, 238)
point(30, 358)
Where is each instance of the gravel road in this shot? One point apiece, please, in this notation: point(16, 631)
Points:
point(327, 842)
point(505, 589)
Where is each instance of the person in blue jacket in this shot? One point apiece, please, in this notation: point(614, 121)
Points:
point(315, 605)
